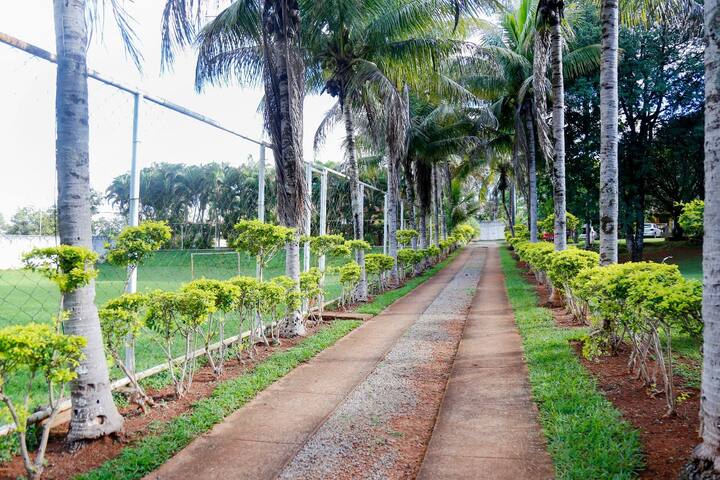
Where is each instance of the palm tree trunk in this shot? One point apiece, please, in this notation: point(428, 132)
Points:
point(558, 164)
point(540, 59)
point(355, 200)
point(708, 452)
point(93, 412)
point(532, 174)
point(284, 93)
point(392, 217)
point(436, 207)
point(609, 133)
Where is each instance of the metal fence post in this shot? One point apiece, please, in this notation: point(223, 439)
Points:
point(385, 225)
point(322, 228)
point(261, 184)
point(308, 215)
point(133, 216)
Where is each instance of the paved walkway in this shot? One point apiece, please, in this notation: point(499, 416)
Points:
point(487, 427)
point(319, 420)
point(259, 439)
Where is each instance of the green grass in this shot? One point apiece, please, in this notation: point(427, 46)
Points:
point(385, 299)
point(587, 438)
point(166, 439)
point(28, 297)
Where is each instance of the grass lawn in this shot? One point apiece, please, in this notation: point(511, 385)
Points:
point(587, 438)
point(28, 297)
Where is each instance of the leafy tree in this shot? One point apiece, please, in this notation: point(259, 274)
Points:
point(122, 318)
point(31, 221)
point(178, 314)
point(691, 218)
point(134, 245)
point(261, 240)
point(48, 356)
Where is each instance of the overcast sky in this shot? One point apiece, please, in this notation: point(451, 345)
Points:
point(27, 123)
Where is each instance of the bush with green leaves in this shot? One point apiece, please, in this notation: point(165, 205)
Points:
point(311, 289)
point(691, 218)
point(433, 251)
point(327, 245)
point(69, 267)
point(45, 356)
point(464, 232)
point(290, 300)
point(547, 225)
point(405, 237)
point(246, 306)
point(536, 255)
point(406, 258)
point(379, 264)
point(134, 245)
point(121, 320)
point(349, 277)
point(173, 315)
point(261, 240)
point(563, 267)
point(225, 296)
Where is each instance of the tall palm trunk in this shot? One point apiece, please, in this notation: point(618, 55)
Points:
point(558, 116)
point(436, 205)
point(398, 122)
point(355, 197)
point(284, 92)
point(609, 133)
point(532, 178)
point(708, 452)
point(93, 412)
point(393, 196)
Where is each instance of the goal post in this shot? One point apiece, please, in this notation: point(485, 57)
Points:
point(220, 268)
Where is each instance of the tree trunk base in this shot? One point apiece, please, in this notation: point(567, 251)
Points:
point(699, 470)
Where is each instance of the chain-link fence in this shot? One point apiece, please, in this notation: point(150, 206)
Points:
point(200, 188)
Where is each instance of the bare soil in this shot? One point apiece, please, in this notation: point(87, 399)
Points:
point(64, 464)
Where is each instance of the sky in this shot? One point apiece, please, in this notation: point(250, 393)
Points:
point(27, 123)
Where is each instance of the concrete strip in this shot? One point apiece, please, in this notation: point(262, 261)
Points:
point(487, 427)
point(257, 440)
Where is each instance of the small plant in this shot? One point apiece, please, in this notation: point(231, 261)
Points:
point(406, 258)
point(173, 314)
point(69, 267)
point(563, 267)
point(247, 307)
point(349, 279)
point(547, 225)
point(379, 264)
point(464, 232)
point(311, 289)
point(121, 319)
point(134, 245)
point(323, 245)
point(406, 237)
point(290, 300)
point(225, 297)
point(48, 356)
point(261, 240)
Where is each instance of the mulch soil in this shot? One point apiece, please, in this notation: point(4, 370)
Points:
point(64, 464)
point(667, 441)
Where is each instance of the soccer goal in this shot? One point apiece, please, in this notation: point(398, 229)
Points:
point(218, 265)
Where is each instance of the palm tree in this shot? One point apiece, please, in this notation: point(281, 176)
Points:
point(706, 462)
point(550, 16)
point(507, 71)
point(257, 42)
point(633, 10)
point(93, 411)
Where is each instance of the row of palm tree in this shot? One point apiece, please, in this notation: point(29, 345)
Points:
point(390, 64)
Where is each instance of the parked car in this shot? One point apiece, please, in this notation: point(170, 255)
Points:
point(652, 230)
point(593, 234)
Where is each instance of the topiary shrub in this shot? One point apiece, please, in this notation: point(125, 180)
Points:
point(563, 267)
point(178, 314)
point(134, 245)
point(547, 225)
point(225, 296)
point(406, 237)
point(121, 320)
point(261, 240)
point(45, 355)
point(379, 264)
point(349, 276)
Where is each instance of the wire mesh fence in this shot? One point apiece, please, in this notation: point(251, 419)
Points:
point(200, 188)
